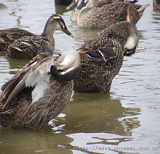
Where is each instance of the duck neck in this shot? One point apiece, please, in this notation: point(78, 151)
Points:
point(91, 3)
point(48, 33)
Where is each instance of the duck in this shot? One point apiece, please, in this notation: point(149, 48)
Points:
point(75, 12)
point(102, 14)
point(102, 57)
point(80, 4)
point(39, 92)
point(101, 17)
point(156, 5)
point(21, 44)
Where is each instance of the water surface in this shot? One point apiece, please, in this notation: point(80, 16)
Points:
point(127, 121)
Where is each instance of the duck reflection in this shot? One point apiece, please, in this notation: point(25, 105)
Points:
point(60, 9)
point(32, 141)
point(97, 113)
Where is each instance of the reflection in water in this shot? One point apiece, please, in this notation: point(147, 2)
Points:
point(94, 121)
point(98, 119)
point(98, 113)
point(84, 34)
point(32, 142)
point(60, 9)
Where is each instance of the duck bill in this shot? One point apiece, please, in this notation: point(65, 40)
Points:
point(129, 52)
point(74, 3)
point(82, 4)
point(65, 30)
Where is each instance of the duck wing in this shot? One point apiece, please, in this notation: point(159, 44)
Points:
point(28, 77)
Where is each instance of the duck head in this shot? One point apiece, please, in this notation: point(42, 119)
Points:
point(55, 22)
point(67, 66)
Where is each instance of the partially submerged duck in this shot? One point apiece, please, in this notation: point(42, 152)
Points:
point(102, 57)
point(20, 44)
point(38, 93)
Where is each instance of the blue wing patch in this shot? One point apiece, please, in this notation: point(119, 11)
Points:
point(93, 54)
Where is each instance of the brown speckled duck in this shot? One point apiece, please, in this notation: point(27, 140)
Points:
point(95, 3)
point(38, 93)
point(102, 57)
point(102, 14)
point(22, 44)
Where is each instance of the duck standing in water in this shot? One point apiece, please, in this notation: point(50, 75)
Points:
point(21, 44)
point(102, 57)
point(38, 93)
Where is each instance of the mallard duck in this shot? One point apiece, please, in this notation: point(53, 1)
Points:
point(25, 43)
point(156, 4)
point(100, 15)
point(38, 93)
point(102, 57)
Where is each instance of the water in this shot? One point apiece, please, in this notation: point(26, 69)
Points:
point(127, 121)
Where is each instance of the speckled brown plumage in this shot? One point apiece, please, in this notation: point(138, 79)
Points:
point(28, 47)
point(97, 74)
point(18, 107)
point(8, 36)
point(101, 17)
point(103, 14)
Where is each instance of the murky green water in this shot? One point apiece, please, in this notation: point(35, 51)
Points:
point(126, 122)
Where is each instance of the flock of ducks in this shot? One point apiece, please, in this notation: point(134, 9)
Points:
point(38, 93)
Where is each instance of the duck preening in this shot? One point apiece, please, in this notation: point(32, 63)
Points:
point(21, 44)
point(102, 57)
point(38, 93)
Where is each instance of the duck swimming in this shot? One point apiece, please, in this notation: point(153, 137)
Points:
point(100, 14)
point(21, 44)
point(38, 93)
